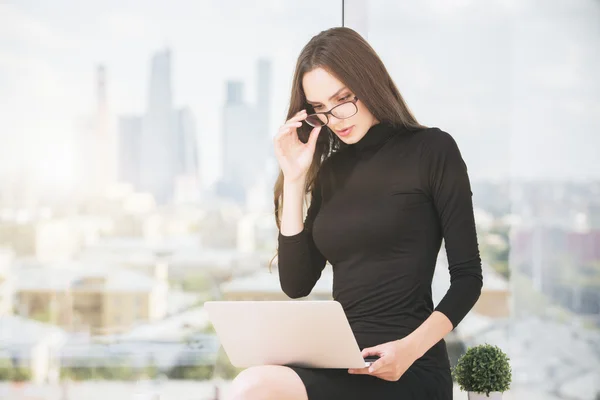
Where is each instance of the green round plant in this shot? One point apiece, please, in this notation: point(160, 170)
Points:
point(483, 369)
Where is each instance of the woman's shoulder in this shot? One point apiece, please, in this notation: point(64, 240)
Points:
point(433, 140)
point(433, 136)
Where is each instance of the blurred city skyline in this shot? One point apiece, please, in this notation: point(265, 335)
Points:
point(60, 88)
point(524, 142)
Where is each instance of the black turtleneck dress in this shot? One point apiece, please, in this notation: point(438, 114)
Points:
point(379, 212)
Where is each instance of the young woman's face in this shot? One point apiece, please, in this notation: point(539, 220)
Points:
point(323, 91)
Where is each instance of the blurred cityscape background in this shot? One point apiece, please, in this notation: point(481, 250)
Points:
point(136, 178)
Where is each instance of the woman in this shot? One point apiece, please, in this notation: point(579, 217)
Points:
point(385, 191)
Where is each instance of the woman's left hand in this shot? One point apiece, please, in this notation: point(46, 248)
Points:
point(395, 358)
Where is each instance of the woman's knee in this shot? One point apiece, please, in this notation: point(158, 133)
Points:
point(267, 382)
point(249, 384)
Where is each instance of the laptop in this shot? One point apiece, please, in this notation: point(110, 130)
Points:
point(304, 333)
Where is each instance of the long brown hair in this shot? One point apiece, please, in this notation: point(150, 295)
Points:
point(347, 56)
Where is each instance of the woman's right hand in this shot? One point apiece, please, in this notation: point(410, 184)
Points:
point(295, 157)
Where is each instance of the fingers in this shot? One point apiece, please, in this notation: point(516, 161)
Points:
point(288, 127)
point(300, 115)
point(294, 122)
point(374, 369)
point(283, 131)
point(371, 351)
point(291, 125)
point(314, 134)
point(359, 371)
point(376, 365)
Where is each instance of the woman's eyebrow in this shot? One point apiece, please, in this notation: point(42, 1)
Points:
point(335, 94)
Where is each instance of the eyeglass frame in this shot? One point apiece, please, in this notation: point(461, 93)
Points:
point(325, 113)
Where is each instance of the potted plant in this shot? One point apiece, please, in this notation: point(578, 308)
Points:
point(484, 372)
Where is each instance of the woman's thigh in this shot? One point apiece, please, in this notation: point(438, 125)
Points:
point(417, 383)
point(266, 383)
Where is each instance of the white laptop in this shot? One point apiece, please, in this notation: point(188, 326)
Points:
point(302, 333)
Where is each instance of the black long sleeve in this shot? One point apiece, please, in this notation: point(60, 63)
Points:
point(381, 210)
point(445, 174)
point(300, 262)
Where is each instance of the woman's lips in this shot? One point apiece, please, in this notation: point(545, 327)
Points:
point(346, 131)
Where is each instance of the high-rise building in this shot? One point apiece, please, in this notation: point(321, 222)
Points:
point(130, 139)
point(187, 178)
point(247, 149)
point(97, 155)
point(186, 143)
point(159, 149)
point(235, 92)
point(241, 152)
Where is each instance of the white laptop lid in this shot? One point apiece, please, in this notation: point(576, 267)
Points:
point(302, 333)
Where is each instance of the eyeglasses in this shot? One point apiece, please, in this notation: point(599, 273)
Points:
point(341, 111)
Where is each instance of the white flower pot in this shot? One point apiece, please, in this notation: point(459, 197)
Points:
point(483, 396)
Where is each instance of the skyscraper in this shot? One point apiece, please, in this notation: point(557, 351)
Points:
point(235, 93)
point(160, 147)
point(186, 143)
point(246, 137)
point(157, 157)
point(239, 144)
point(187, 178)
point(130, 139)
point(97, 145)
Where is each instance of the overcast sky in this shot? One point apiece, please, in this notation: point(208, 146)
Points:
point(515, 82)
